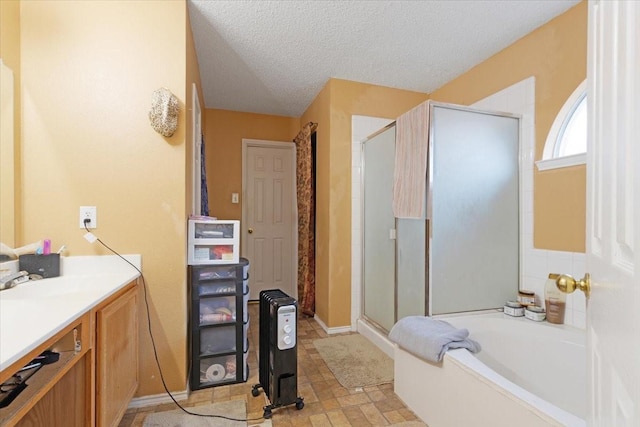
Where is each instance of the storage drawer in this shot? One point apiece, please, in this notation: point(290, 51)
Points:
point(213, 253)
point(216, 288)
point(214, 370)
point(212, 272)
point(217, 310)
point(220, 339)
point(218, 229)
point(213, 242)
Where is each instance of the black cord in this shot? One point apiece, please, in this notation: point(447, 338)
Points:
point(153, 342)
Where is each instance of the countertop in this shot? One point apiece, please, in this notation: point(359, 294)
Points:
point(34, 311)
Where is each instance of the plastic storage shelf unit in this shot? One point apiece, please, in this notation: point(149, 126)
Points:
point(219, 323)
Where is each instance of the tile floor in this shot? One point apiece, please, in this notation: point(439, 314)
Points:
point(327, 403)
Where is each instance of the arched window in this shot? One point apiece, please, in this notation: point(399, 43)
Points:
point(567, 140)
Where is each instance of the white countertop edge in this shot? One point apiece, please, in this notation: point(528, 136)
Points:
point(85, 283)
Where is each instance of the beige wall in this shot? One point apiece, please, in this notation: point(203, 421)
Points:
point(10, 144)
point(333, 235)
point(224, 131)
point(88, 73)
point(556, 55)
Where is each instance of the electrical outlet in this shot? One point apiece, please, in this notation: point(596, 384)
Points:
point(90, 213)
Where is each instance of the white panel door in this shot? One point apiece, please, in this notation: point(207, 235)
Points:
point(613, 212)
point(269, 214)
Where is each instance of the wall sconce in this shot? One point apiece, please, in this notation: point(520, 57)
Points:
point(163, 114)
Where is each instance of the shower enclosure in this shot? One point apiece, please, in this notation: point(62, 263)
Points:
point(463, 254)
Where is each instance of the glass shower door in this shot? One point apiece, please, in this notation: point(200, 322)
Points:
point(463, 254)
point(474, 209)
point(379, 229)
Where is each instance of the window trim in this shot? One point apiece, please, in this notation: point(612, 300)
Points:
point(549, 159)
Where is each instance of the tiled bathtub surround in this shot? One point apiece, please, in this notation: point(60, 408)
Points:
point(538, 265)
point(535, 264)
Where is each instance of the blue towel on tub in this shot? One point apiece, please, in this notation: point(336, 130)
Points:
point(430, 338)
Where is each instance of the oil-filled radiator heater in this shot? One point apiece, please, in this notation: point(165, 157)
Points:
point(278, 355)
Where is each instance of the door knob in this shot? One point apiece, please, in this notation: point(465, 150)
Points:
point(250, 230)
point(568, 284)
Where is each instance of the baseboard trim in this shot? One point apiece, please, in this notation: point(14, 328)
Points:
point(331, 331)
point(157, 399)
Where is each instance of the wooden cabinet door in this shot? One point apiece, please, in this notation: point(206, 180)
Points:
point(65, 404)
point(116, 357)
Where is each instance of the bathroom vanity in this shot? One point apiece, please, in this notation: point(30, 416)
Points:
point(89, 315)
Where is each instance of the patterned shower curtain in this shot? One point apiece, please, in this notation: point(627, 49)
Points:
point(305, 191)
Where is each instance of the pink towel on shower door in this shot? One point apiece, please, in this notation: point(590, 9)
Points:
point(410, 172)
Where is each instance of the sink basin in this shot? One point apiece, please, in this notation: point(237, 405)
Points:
point(48, 288)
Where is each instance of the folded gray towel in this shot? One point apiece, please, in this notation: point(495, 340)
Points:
point(430, 338)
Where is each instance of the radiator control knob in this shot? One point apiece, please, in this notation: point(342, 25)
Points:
point(286, 327)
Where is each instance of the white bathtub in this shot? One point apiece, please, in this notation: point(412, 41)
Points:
point(527, 374)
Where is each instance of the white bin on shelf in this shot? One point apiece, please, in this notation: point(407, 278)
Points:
point(213, 242)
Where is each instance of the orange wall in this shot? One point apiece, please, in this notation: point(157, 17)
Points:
point(10, 34)
point(88, 72)
point(333, 235)
point(10, 150)
point(319, 112)
point(223, 134)
point(556, 54)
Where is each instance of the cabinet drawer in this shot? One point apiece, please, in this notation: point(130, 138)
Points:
point(217, 310)
point(218, 340)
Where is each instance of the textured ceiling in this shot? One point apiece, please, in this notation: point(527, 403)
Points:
point(273, 57)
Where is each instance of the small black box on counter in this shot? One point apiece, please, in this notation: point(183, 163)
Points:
point(44, 265)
